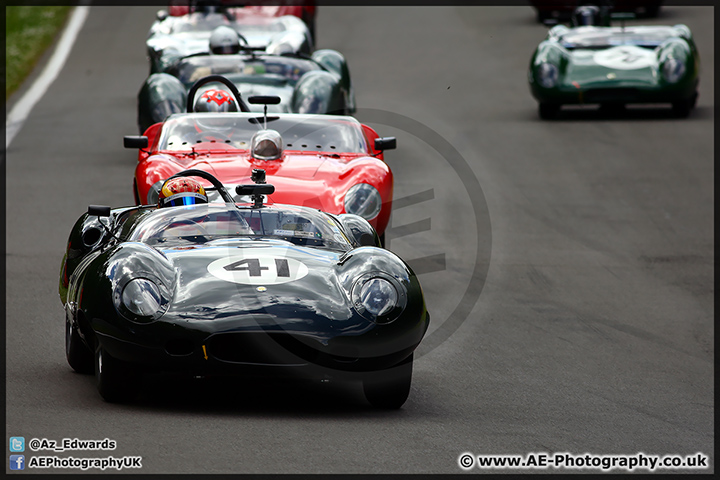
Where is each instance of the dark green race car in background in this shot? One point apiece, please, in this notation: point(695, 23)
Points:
point(615, 65)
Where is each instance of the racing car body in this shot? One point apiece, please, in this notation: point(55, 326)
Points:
point(332, 163)
point(614, 66)
point(305, 84)
point(560, 9)
point(174, 37)
point(306, 10)
point(232, 289)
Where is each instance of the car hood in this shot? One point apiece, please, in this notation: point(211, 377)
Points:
point(627, 65)
point(312, 180)
point(233, 168)
point(271, 284)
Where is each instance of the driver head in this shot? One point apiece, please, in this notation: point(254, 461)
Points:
point(215, 100)
point(181, 191)
point(266, 145)
point(586, 15)
point(224, 41)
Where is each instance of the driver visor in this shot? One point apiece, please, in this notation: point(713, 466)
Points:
point(185, 198)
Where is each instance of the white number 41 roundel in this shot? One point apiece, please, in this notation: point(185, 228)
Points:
point(258, 268)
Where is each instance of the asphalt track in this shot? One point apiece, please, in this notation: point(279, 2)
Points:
point(567, 265)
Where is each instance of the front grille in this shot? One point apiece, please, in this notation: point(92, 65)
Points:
point(596, 95)
point(271, 348)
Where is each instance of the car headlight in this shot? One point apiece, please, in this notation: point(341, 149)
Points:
point(378, 298)
point(673, 70)
point(547, 74)
point(153, 195)
point(141, 300)
point(364, 200)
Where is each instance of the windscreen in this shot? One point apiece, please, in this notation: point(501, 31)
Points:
point(264, 69)
point(603, 37)
point(199, 22)
point(199, 224)
point(212, 131)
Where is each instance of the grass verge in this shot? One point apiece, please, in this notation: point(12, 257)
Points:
point(29, 31)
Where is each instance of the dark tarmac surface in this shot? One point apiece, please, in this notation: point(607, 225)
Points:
point(567, 265)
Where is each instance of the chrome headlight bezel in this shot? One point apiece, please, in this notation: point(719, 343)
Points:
point(396, 302)
point(129, 303)
point(547, 75)
point(673, 70)
point(363, 199)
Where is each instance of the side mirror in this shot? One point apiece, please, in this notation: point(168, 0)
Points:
point(622, 16)
point(135, 141)
point(99, 210)
point(258, 189)
point(385, 143)
point(264, 100)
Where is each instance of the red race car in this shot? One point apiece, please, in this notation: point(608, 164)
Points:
point(304, 10)
point(329, 162)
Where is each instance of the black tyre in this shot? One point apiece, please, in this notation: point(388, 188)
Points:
point(389, 389)
point(693, 100)
point(548, 111)
point(115, 380)
point(136, 193)
point(682, 108)
point(78, 355)
point(310, 22)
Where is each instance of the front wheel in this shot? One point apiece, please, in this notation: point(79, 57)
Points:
point(78, 355)
point(115, 380)
point(682, 108)
point(136, 193)
point(548, 111)
point(389, 389)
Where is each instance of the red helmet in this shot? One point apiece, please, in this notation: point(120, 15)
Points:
point(215, 100)
point(181, 191)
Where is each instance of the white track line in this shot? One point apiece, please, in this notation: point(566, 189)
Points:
point(22, 108)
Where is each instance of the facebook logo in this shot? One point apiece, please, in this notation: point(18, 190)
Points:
point(17, 462)
point(17, 444)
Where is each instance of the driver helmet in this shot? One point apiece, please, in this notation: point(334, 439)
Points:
point(586, 15)
point(266, 145)
point(181, 191)
point(215, 100)
point(224, 41)
point(210, 6)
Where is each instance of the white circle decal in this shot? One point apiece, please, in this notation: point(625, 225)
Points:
point(627, 57)
point(269, 267)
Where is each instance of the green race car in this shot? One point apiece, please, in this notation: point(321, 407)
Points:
point(615, 65)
